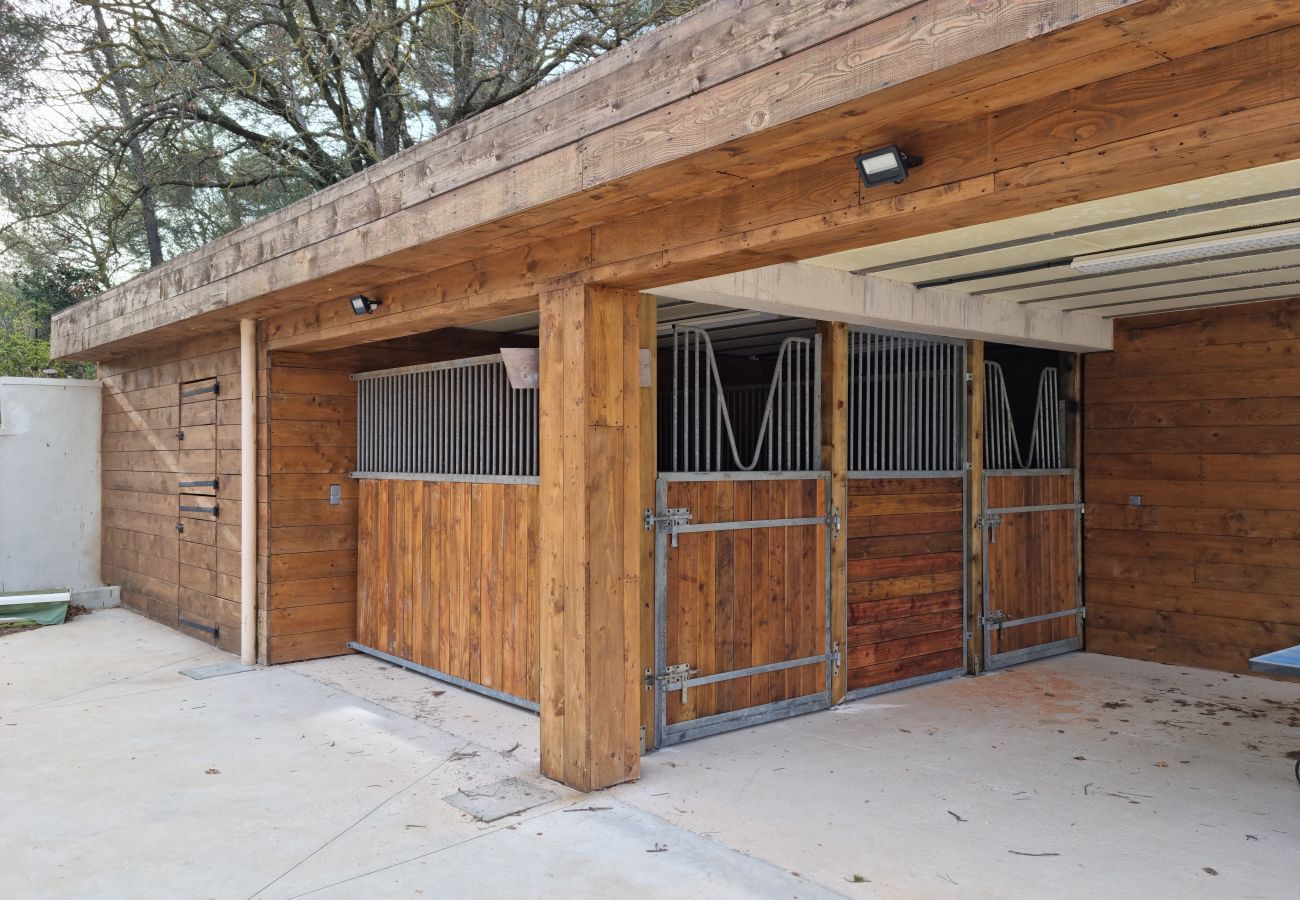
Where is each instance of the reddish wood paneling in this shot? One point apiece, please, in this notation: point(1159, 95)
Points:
point(1197, 413)
point(448, 579)
point(905, 578)
point(747, 597)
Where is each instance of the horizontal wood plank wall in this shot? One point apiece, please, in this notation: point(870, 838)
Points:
point(448, 579)
point(905, 578)
point(161, 576)
point(1197, 413)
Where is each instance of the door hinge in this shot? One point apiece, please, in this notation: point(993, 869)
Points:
point(835, 658)
point(833, 520)
point(993, 619)
point(643, 740)
point(675, 678)
point(990, 522)
point(668, 521)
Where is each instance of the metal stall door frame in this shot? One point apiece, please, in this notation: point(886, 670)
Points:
point(889, 440)
point(704, 446)
point(994, 620)
point(1046, 452)
point(666, 679)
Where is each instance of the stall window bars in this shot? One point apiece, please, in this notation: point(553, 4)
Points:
point(907, 403)
point(1047, 437)
point(711, 427)
point(457, 420)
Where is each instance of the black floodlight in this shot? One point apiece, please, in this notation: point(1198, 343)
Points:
point(363, 305)
point(886, 165)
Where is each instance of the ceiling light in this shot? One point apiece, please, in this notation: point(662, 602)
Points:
point(1188, 251)
point(886, 165)
point(363, 305)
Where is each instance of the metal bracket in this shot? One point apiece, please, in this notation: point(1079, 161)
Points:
point(214, 483)
point(668, 522)
point(990, 522)
point(835, 658)
point(676, 678)
point(833, 520)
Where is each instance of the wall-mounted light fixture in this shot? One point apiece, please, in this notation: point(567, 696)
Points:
point(363, 305)
point(885, 166)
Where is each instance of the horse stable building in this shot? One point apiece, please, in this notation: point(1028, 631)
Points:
point(793, 352)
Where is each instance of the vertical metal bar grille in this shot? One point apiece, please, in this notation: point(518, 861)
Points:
point(906, 403)
point(460, 418)
point(1047, 438)
point(712, 427)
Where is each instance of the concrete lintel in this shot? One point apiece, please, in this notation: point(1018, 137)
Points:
point(806, 291)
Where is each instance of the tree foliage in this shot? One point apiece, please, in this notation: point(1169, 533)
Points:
point(132, 130)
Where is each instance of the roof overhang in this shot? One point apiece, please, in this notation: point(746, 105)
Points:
point(529, 196)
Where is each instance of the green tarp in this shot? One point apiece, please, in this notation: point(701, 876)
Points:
point(29, 609)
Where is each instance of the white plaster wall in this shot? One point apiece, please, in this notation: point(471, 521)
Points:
point(50, 485)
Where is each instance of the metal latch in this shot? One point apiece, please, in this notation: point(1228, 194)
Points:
point(668, 522)
point(993, 619)
point(833, 520)
point(990, 523)
point(676, 678)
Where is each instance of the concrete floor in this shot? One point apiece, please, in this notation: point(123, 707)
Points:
point(1080, 776)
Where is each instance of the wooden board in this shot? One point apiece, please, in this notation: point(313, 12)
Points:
point(1192, 482)
point(905, 579)
point(1032, 561)
point(447, 578)
point(747, 597)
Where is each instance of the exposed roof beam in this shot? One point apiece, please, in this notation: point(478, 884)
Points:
point(805, 291)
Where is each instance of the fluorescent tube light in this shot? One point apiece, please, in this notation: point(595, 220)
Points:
point(1188, 251)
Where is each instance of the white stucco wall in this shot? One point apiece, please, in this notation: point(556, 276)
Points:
point(50, 486)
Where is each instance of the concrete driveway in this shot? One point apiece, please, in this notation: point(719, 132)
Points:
point(1083, 776)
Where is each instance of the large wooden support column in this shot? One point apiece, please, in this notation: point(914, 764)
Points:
point(591, 536)
point(975, 507)
point(835, 459)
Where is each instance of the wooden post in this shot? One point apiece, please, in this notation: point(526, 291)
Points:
point(649, 473)
point(590, 536)
point(975, 506)
point(835, 459)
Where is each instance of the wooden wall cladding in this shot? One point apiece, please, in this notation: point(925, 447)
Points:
point(187, 579)
point(747, 597)
point(448, 579)
point(905, 578)
point(1198, 414)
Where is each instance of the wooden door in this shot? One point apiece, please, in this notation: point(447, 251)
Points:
point(202, 614)
point(741, 602)
point(1033, 606)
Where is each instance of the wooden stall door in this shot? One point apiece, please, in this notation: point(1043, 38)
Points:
point(734, 597)
point(1032, 603)
point(202, 612)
